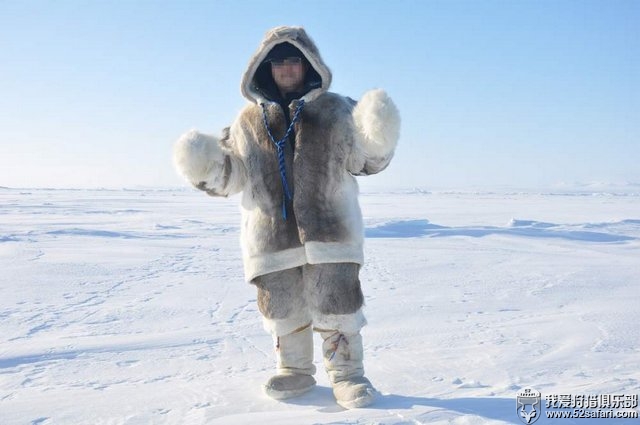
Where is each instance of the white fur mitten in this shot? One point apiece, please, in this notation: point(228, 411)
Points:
point(377, 120)
point(199, 159)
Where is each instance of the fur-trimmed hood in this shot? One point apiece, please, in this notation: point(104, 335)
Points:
point(256, 78)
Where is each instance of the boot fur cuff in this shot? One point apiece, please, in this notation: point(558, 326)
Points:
point(344, 323)
point(282, 327)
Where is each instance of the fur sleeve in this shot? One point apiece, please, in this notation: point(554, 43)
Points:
point(208, 164)
point(377, 130)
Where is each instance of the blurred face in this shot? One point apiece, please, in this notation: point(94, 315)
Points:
point(289, 74)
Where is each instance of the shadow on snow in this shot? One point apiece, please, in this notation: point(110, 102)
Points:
point(526, 228)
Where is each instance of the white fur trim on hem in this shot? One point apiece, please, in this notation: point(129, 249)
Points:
point(273, 262)
point(312, 253)
point(344, 323)
point(334, 252)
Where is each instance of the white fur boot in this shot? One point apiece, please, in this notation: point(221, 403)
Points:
point(295, 365)
point(343, 361)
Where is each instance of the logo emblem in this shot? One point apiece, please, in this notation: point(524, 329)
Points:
point(528, 405)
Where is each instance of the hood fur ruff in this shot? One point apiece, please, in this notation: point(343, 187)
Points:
point(299, 38)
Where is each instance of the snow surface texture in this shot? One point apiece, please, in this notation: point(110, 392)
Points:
point(129, 307)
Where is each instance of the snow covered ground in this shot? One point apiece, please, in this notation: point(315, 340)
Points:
point(129, 307)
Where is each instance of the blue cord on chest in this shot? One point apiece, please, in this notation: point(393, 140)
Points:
point(279, 144)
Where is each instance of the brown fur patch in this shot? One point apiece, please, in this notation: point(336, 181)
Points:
point(280, 294)
point(333, 288)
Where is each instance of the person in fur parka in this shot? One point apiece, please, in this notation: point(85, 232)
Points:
point(293, 152)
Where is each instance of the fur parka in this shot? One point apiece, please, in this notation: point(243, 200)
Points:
point(335, 140)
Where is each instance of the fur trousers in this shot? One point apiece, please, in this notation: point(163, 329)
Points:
point(327, 295)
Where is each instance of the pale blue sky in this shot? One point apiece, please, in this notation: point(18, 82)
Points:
point(492, 93)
